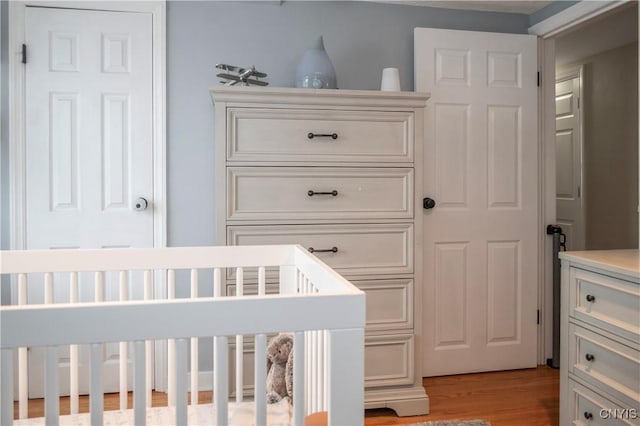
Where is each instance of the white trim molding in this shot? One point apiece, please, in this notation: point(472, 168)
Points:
point(546, 185)
point(574, 15)
point(548, 30)
point(17, 116)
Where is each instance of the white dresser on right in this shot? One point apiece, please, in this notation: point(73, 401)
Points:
point(600, 338)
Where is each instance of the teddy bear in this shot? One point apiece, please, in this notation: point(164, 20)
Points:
point(280, 368)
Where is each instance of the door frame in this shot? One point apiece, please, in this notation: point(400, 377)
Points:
point(570, 74)
point(17, 127)
point(547, 30)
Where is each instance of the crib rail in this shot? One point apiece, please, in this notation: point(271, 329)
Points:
point(325, 312)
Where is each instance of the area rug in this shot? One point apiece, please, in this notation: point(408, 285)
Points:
point(453, 423)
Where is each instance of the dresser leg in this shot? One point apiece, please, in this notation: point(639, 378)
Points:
point(410, 407)
point(405, 402)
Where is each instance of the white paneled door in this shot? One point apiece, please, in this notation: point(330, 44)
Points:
point(481, 169)
point(569, 191)
point(89, 151)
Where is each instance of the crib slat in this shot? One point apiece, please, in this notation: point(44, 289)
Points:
point(6, 387)
point(148, 295)
point(96, 404)
point(171, 345)
point(139, 383)
point(96, 396)
point(308, 361)
point(261, 281)
point(221, 368)
point(181, 381)
point(194, 345)
point(325, 382)
point(99, 286)
point(320, 372)
point(298, 378)
point(73, 287)
point(123, 352)
point(217, 288)
point(23, 383)
point(260, 379)
point(48, 288)
point(74, 394)
point(314, 371)
point(287, 279)
point(216, 293)
point(23, 358)
point(239, 342)
point(51, 397)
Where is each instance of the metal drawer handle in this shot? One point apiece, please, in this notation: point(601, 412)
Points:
point(588, 415)
point(312, 193)
point(589, 357)
point(322, 135)
point(331, 250)
point(591, 298)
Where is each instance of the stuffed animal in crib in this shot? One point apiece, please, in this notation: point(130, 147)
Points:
point(280, 368)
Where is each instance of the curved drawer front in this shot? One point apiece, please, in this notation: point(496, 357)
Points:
point(610, 365)
point(361, 249)
point(389, 303)
point(283, 135)
point(262, 193)
point(388, 360)
point(607, 302)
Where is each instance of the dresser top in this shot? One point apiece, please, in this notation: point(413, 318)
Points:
point(292, 95)
point(626, 262)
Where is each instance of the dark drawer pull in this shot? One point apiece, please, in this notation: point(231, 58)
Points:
point(322, 135)
point(312, 193)
point(589, 357)
point(588, 415)
point(331, 250)
point(591, 298)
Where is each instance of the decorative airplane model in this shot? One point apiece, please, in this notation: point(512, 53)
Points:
point(233, 75)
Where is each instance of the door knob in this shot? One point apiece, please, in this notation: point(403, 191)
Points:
point(141, 204)
point(428, 203)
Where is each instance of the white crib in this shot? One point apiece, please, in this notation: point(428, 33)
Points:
point(325, 313)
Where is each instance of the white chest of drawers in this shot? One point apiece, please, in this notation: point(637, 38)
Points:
point(600, 335)
point(339, 172)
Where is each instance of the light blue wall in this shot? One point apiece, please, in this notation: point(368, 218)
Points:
point(361, 39)
point(549, 10)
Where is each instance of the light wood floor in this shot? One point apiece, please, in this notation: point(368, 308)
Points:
point(505, 398)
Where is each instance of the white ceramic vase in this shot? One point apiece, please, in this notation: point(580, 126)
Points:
point(315, 70)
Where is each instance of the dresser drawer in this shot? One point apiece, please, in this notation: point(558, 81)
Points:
point(279, 193)
point(362, 249)
point(389, 303)
point(606, 302)
point(588, 408)
point(388, 360)
point(256, 134)
point(607, 364)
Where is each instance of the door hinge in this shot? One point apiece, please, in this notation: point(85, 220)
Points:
point(538, 319)
point(579, 192)
point(24, 53)
point(538, 78)
point(578, 99)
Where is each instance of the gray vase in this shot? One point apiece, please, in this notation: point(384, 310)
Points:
point(315, 70)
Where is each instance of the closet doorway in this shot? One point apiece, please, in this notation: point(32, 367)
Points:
point(597, 174)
